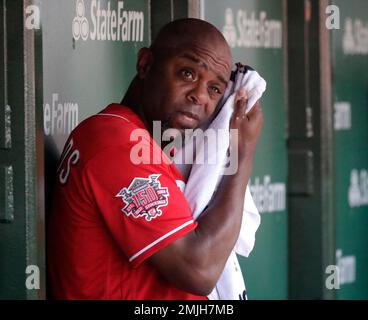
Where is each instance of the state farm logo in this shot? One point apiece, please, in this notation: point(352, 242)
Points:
point(80, 22)
point(244, 29)
point(106, 23)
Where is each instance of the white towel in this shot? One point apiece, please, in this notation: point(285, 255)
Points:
point(204, 178)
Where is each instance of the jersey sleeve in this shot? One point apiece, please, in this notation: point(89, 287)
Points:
point(141, 204)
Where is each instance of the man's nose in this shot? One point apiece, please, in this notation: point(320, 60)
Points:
point(198, 94)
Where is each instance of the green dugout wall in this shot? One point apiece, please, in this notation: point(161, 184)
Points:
point(310, 151)
point(349, 50)
point(21, 155)
point(327, 142)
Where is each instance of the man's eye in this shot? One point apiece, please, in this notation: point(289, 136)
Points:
point(187, 74)
point(216, 90)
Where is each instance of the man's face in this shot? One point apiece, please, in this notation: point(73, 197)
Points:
point(183, 88)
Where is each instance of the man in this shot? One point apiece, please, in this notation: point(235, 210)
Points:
point(121, 230)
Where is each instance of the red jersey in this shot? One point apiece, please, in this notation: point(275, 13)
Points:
point(114, 206)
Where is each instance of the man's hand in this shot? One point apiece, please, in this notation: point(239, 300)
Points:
point(249, 125)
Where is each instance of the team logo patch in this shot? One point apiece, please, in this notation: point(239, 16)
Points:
point(144, 197)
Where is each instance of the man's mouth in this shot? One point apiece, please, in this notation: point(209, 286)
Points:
point(186, 120)
point(189, 115)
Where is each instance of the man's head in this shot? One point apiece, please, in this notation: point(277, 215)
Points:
point(184, 74)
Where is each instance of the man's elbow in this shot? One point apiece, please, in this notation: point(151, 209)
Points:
point(203, 290)
point(201, 283)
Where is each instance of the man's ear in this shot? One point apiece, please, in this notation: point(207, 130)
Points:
point(145, 59)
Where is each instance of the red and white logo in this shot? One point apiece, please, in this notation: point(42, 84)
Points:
point(144, 197)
